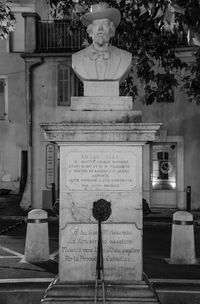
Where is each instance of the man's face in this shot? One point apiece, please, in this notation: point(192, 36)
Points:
point(101, 31)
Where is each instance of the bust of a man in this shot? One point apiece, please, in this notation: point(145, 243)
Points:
point(101, 60)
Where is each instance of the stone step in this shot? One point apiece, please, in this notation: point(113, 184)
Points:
point(111, 290)
point(175, 291)
point(63, 292)
point(91, 301)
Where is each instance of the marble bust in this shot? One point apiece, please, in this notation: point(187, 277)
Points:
point(101, 60)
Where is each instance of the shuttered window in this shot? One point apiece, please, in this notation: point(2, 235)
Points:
point(68, 85)
point(64, 85)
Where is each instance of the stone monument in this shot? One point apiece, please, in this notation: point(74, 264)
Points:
point(100, 159)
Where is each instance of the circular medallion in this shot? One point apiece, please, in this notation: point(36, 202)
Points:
point(166, 167)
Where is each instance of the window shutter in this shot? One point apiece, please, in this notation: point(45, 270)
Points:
point(64, 85)
point(2, 99)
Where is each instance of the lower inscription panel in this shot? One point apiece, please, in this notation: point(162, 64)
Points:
point(121, 250)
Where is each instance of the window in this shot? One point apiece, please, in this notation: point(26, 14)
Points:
point(163, 175)
point(67, 85)
point(64, 85)
point(3, 99)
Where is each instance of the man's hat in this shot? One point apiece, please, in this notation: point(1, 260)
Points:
point(101, 11)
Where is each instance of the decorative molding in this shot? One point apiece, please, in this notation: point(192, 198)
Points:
point(95, 132)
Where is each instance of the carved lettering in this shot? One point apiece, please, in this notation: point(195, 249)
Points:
point(100, 170)
point(119, 248)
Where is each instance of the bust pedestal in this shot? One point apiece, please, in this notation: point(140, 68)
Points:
point(100, 159)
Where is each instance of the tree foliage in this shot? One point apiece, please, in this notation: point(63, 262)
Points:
point(150, 30)
point(7, 19)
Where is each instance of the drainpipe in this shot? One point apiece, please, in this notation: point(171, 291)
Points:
point(31, 61)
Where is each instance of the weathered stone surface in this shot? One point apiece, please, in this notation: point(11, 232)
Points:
point(77, 206)
point(121, 248)
point(100, 132)
point(182, 242)
point(100, 160)
point(101, 116)
point(101, 88)
point(99, 167)
point(88, 173)
point(92, 172)
point(112, 103)
point(125, 293)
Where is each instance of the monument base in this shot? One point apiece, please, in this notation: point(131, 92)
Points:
point(100, 158)
point(134, 292)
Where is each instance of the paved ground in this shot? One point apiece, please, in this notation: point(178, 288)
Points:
point(156, 246)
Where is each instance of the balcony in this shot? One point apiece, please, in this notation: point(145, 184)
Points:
point(53, 36)
point(58, 36)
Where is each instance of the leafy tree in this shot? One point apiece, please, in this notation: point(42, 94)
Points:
point(7, 19)
point(150, 30)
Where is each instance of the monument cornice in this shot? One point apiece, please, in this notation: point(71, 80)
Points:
point(95, 132)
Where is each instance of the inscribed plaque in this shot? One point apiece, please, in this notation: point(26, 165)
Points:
point(121, 251)
point(100, 170)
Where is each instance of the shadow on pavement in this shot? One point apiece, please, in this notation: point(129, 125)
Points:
point(49, 266)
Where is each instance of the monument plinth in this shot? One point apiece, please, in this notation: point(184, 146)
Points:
point(100, 144)
point(95, 171)
point(100, 161)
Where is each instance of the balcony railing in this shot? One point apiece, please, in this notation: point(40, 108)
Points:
point(56, 36)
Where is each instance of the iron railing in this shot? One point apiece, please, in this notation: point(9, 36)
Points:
point(60, 36)
point(56, 36)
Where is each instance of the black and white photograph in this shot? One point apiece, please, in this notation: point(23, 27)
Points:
point(99, 152)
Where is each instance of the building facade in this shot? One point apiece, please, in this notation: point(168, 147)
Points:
point(13, 115)
point(41, 93)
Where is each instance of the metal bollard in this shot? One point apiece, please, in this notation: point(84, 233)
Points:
point(53, 194)
point(37, 237)
point(188, 198)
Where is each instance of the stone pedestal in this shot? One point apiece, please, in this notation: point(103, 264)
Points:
point(101, 88)
point(100, 158)
point(91, 172)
